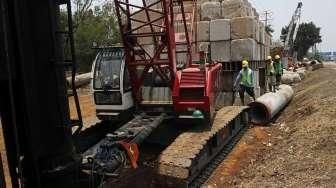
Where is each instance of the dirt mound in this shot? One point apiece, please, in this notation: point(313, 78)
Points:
point(301, 150)
point(305, 153)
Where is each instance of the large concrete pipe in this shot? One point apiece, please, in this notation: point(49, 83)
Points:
point(269, 104)
point(80, 80)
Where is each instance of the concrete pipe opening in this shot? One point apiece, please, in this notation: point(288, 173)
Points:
point(259, 113)
point(270, 104)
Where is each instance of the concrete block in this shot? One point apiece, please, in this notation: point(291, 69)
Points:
point(262, 52)
point(210, 11)
point(204, 46)
point(257, 34)
point(179, 26)
point(268, 39)
point(204, 1)
point(146, 29)
point(267, 51)
point(243, 49)
point(221, 51)
point(249, 11)
point(188, 7)
point(244, 27)
point(255, 13)
point(220, 30)
point(247, 3)
point(257, 52)
point(262, 32)
point(203, 29)
point(235, 2)
point(232, 9)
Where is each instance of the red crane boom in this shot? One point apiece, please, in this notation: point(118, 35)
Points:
point(150, 43)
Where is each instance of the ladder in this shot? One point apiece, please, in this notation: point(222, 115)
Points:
point(70, 64)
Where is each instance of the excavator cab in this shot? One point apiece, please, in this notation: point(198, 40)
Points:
point(111, 84)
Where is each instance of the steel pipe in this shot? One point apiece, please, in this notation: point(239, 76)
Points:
point(269, 104)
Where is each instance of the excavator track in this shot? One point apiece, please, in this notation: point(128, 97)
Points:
point(183, 161)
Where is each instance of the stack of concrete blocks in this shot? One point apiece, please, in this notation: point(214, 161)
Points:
point(231, 27)
point(245, 37)
point(220, 44)
point(232, 31)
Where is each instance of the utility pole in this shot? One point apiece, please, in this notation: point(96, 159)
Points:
point(268, 17)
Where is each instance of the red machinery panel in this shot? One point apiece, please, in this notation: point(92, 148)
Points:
point(197, 89)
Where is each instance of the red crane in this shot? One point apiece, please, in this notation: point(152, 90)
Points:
point(152, 41)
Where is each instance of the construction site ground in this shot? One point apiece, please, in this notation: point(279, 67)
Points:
point(298, 149)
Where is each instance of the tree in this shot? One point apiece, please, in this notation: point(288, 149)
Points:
point(269, 29)
point(81, 7)
point(99, 25)
point(308, 35)
point(284, 33)
point(91, 24)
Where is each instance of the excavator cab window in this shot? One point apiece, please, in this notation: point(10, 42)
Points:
point(107, 71)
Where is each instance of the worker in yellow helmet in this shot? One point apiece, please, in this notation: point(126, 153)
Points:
point(270, 75)
point(245, 79)
point(278, 68)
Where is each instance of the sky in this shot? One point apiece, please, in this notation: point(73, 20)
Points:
point(321, 12)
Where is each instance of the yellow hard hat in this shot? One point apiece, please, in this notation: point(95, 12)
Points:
point(269, 57)
point(277, 57)
point(245, 63)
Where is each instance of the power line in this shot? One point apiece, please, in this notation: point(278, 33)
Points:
point(268, 17)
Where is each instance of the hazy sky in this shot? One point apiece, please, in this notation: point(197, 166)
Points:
point(322, 13)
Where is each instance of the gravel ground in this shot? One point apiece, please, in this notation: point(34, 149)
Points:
point(297, 150)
